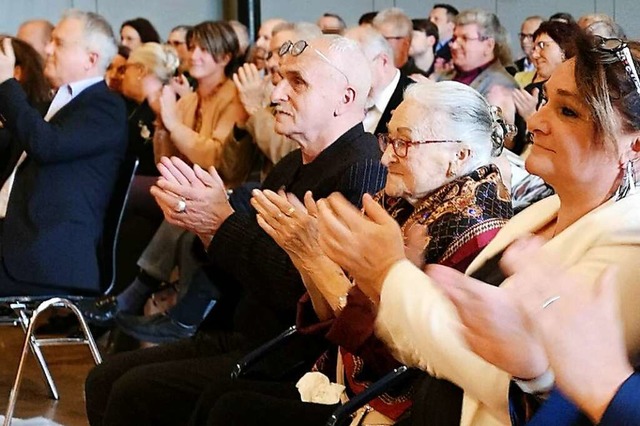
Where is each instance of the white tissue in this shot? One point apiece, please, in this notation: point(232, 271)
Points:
point(316, 387)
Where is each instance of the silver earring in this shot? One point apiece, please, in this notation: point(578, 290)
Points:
point(628, 181)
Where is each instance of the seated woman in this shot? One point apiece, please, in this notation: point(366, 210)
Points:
point(193, 128)
point(449, 199)
point(590, 365)
point(148, 68)
point(586, 139)
point(29, 73)
point(555, 42)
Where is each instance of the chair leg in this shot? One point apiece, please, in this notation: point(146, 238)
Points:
point(13, 396)
point(31, 343)
point(97, 358)
point(37, 352)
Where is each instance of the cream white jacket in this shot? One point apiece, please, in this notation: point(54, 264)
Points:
point(423, 329)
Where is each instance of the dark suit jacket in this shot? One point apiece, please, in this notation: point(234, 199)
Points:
point(61, 191)
point(395, 100)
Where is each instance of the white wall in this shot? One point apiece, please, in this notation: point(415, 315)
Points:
point(510, 12)
point(164, 14)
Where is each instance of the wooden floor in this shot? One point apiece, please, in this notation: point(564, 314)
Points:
point(69, 366)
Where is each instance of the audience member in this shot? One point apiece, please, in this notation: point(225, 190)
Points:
point(59, 171)
point(387, 83)
point(565, 18)
point(423, 193)
point(480, 52)
point(261, 46)
point(593, 157)
point(259, 284)
point(194, 128)
point(526, 63)
point(397, 28)
point(555, 42)
point(330, 23)
point(29, 72)
point(602, 25)
point(254, 147)
point(178, 39)
point(367, 18)
point(137, 31)
point(587, 353)
point(37, 33)
point(423, 46)
point(113, 75)
point(444, 16)
point(243, 37)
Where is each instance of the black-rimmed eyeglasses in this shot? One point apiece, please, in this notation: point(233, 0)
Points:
point(296, 49)
point(401, 146)
point(620, 51)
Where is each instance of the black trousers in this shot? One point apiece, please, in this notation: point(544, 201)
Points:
point(249, 403)
point(160, 385)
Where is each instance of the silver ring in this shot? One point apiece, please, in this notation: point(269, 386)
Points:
point(182, 205)
point(549, 301)
point(291, 211)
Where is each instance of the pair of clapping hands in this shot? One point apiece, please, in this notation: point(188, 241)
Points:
point(546, 317)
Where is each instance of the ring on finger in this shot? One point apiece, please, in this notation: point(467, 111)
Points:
point(181, 206)
point(290, 211)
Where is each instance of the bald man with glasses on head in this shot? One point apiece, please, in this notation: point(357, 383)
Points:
point(320, 104)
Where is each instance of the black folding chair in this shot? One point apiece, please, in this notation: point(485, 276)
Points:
point(343, 414)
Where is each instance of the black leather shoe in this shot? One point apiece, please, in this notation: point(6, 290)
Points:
point(100, 311)
point(158, 328)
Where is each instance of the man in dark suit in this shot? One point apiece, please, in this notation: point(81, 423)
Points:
point(59, 171)
point(444, 16)
point(387, 82)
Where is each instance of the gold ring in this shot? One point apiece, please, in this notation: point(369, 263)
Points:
point(291, 211)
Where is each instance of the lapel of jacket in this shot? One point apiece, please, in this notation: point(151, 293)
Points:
point(395, 100)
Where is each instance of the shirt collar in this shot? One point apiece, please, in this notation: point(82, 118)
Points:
point(79, 86)
point(381, 100)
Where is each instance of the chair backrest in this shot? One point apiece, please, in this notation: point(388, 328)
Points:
point(113, 218)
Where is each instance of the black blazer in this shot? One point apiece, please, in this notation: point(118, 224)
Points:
point(395, 100)
point(61, 191)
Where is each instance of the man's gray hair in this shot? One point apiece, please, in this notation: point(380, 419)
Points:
point(461, 113)
point(371, 41)
point(489, 26)
point(98, 35)
point(395, 16)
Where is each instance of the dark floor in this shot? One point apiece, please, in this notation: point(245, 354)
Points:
point(69, 366)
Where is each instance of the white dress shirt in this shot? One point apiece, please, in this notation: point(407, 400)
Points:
point(380, 102)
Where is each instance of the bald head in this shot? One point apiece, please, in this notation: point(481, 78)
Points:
point(264, 34)
point(323, 92)
point(348, 59)
point(37, 33)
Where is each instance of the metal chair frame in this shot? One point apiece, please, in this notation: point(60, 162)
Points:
point(28, 309)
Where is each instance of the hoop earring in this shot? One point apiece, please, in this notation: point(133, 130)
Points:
point(628, 181)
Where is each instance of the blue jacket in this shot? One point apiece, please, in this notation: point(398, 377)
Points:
point(623, 410)
point(61, 191)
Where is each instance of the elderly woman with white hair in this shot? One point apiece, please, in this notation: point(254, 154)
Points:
point(449, 200)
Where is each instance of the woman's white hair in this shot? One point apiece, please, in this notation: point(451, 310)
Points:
point(98, 35)
point(452, 110)
point(160, 60)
